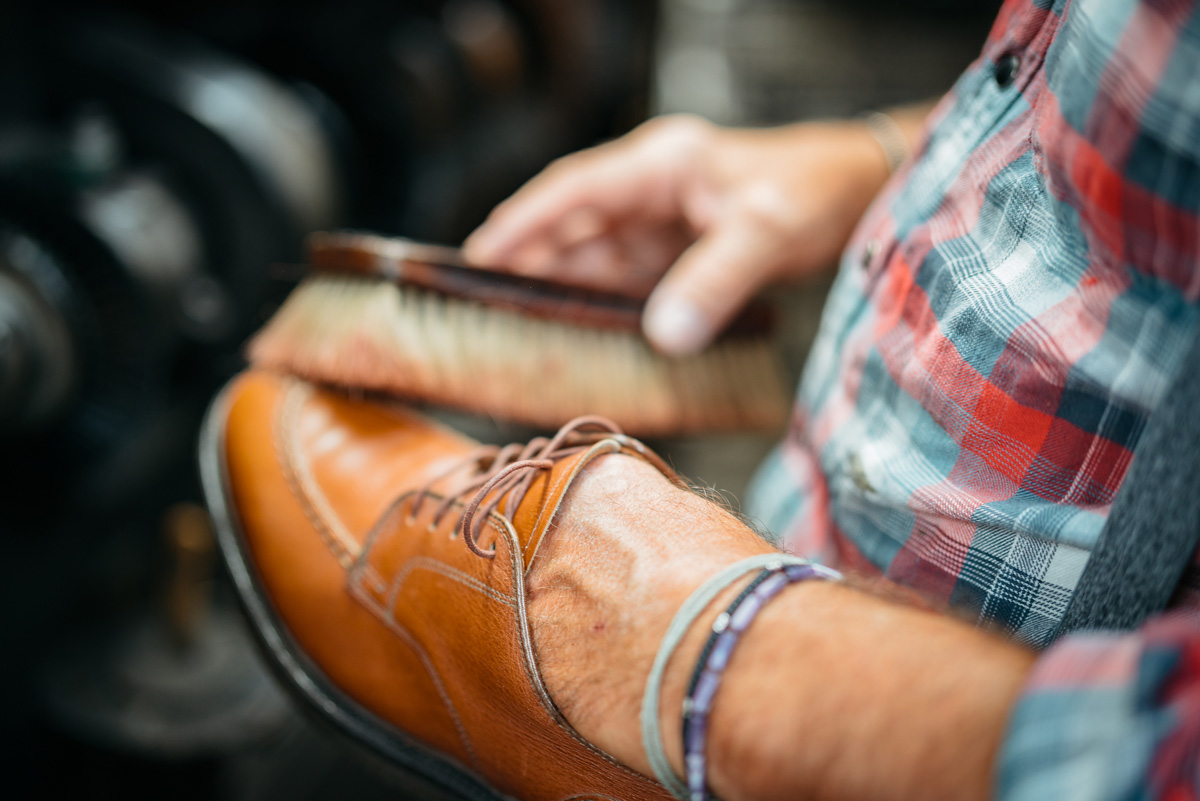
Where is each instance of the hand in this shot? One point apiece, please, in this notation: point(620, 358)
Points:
point(697, 217)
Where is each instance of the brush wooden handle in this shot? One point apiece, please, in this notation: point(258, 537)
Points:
point(441, 269)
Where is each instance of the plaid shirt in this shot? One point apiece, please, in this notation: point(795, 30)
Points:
point(1005, 320)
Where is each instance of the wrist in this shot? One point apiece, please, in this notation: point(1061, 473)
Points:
point(748, 726)
point(625, 737)
point(891, 138)
point(874, 166)
point(823, 175)
point(681, 667)
point(837, 694)
point(802, 147)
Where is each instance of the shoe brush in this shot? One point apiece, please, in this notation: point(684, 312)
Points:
point(413, 321)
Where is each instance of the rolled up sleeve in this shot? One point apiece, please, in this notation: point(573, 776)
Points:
point(1107, 717)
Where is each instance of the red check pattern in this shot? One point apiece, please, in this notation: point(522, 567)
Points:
point(1006, 319)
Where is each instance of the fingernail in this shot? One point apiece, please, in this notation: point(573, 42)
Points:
point(676, 327)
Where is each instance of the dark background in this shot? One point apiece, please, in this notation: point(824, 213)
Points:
point(160, 165)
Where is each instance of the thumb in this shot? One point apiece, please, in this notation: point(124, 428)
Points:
point(707, 286)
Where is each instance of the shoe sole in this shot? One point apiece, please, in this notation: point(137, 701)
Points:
point(402, 757)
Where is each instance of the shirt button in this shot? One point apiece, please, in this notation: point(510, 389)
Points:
point(869, 253)
point(1006, 69)
point(854, 469)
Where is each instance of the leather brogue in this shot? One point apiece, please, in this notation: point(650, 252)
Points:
point(382, 560)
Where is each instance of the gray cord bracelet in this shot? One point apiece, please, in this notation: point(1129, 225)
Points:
point(890, 137)
point(692, 608)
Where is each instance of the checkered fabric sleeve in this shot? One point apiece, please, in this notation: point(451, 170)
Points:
point(1005, 320)
point(1109, 717)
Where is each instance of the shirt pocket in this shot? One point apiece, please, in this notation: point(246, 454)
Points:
point(1115, 139)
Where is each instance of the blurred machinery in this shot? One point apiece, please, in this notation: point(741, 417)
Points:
point(159, 167)
point(767, 62)
point(156, 161)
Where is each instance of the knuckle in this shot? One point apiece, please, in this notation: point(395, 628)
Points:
point(768, 209)
point(675, 130)
point(563, 164)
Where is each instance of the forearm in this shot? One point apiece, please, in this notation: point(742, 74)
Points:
point(863, 160)
point(835, 694)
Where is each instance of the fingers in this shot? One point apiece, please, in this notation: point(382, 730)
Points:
point(571, 196)
point(579, 196)
point(715, 278)
point(617, 216)
point(628, 260)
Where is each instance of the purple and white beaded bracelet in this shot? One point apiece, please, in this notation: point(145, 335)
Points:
point(727, 631)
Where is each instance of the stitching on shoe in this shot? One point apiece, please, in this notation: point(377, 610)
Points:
point(362, 568)
point(562, 480)
point(305, 490)
point(381, 529)
point(300, 481)
point(388, 619)
point(377, 583)
point(438, 566)
point(386, 615)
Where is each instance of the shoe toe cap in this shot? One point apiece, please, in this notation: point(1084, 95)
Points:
point(342, 461)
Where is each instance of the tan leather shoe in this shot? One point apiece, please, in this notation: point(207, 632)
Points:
point(341, 529)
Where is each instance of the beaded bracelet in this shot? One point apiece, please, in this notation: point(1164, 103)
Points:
point(727, 630)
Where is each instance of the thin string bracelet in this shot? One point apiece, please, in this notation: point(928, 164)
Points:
point(727, 631)
point(890, 137)
point(691, 609)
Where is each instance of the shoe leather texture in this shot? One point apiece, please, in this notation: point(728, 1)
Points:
point(395, 610)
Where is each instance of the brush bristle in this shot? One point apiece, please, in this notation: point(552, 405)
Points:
point(375, 335)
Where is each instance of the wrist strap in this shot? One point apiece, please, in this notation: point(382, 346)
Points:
point(683, 620)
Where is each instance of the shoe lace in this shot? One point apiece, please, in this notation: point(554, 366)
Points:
point(506, 474)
